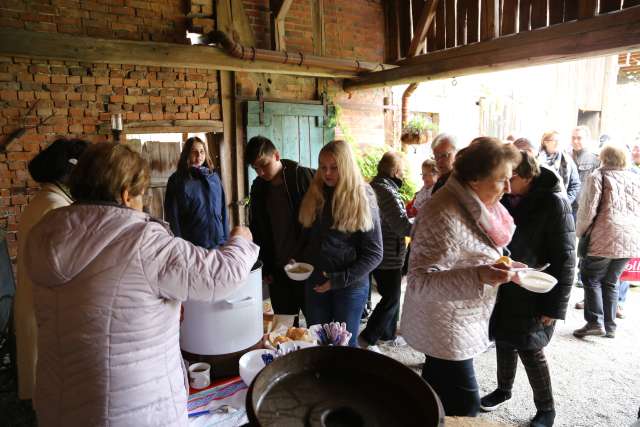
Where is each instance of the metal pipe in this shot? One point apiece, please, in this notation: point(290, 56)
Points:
point(253, 54)
point(405, 101)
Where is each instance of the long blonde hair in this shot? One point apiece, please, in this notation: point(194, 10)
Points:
point(350, 204)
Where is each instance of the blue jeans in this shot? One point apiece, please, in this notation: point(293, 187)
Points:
point(622, 292)
point(455, 383)
point(600, 277)
point(338, 305)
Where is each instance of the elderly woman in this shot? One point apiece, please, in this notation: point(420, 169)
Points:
point(51, 169)
point(194, 203)
point(552, 155)
point(340, 217)
point(395, 227)
point(522, 322)
point(108, 282)
point(457, 238)
point(608, 222)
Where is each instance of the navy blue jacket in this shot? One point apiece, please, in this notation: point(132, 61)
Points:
point(195, 207)
point(347, 258)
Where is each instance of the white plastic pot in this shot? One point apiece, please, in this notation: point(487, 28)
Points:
point(226, 326)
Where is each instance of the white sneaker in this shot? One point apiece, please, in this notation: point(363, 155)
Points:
point(374, 348)
point(398, 341)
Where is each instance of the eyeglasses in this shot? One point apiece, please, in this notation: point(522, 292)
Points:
point(443, 155)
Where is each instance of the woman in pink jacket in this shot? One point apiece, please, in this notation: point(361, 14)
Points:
point(608, 214)
point(108, 282)
point(457, 238)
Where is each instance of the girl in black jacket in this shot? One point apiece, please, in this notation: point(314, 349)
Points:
point(522, 322)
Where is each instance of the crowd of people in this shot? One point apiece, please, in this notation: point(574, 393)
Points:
point(101, 282)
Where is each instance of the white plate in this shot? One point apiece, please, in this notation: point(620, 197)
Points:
point(298, 276)
point(537, 281)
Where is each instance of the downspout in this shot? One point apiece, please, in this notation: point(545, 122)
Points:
point(252, 54)
point(405, 102)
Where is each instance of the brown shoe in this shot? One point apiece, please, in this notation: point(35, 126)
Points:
point(588, 329)
point(619, 313)
point(580, 305)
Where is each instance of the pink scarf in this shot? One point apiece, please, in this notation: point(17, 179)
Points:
point(497, 223)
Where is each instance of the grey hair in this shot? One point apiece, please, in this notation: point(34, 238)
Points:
point(440, 138)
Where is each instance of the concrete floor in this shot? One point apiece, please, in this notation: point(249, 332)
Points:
point(596, 381)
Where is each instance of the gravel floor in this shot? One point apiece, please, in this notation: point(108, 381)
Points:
point(596, 381)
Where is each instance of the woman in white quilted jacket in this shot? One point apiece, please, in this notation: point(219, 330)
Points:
point(451, 286)
point(108, 281)
point(608, 214)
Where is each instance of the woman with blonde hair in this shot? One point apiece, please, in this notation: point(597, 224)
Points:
point(607, 223)
point(108, 282)
point(343, 239)
point(553, 157)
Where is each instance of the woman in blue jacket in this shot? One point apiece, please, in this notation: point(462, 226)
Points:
point(339, 214)
point(194, 203)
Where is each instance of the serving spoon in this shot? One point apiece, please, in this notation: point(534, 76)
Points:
point(527, 269)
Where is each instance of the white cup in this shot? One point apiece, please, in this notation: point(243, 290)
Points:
point(199, 375)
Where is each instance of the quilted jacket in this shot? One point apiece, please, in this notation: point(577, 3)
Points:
point(446, 306)
point(108, 282)
point(394, 222)
point(615, 232)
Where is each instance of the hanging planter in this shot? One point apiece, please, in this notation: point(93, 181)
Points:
point(417, 131)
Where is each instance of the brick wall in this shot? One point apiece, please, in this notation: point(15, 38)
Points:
point(78, 100)
point(157, 20)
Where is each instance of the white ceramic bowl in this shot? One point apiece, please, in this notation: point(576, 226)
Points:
point(298, 276)
point(537, 281)
point(251, 363)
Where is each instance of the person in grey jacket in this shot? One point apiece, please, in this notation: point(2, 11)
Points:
point(552, 156)
point(395, 225)
point(586, 161)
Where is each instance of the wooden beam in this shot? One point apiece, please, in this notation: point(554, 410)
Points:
point(524, 11)
point(490, 20)
point(64, 47)
point(426, 18)
point(509, 17)
point(556, 12)
point(281, 14)
point(610, 5)
point(319, 39)
point(539, 14)
point(601, 35)
point(587, 9)
point(450, 13)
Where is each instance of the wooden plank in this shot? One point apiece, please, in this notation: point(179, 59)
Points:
point(571, 10)
point(490, 20)
point(392, 41)
point(291, 137)
point(461, 22)
point(610, 6)
point(601, 35)
point(319, 41)
point(440, 26)
point(64, 47)
point(280, 15)
point(630, 3)
point(431, 42)
point(450, 14)
point(427, 16)
point(509, 17)
point(587, 9)
point(404, 25)
point(556, 11)
point(539, 13)
point(524, 16)
point(473, 21)
point(305, 140)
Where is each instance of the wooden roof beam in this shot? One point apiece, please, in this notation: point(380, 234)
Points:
point(64, 47)
point(601, 35)
point(426, 20)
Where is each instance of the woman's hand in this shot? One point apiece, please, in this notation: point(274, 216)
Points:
point(241, 232)
point(546, 320)
point(326, 286)
point(494, 276)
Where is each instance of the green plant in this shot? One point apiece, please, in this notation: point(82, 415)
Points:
point(419, 124)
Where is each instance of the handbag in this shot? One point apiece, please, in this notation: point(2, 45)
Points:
point(583, 243)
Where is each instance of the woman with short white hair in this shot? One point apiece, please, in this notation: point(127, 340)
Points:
point(607, 224)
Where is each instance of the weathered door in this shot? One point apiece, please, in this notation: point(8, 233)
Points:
point(298, 130)
point(163, 158)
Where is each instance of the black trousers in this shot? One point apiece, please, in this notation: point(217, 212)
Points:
point(455, 383)
point(383, 322)
point(535, 363)
point(287, 296)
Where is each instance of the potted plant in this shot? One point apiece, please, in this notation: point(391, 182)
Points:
point(418, 130)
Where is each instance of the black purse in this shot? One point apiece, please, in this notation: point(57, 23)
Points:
point(583, 243)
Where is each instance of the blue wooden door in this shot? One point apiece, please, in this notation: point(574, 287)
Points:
point(298, 130)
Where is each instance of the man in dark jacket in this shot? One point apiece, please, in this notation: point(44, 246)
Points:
point(275, 200)
point(522, 322)
point(395, 226)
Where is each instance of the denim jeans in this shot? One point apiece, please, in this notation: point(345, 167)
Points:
point(622, 292)
point(339, 305)
point(600, 277)
point(455, 383)
point(383, 321)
